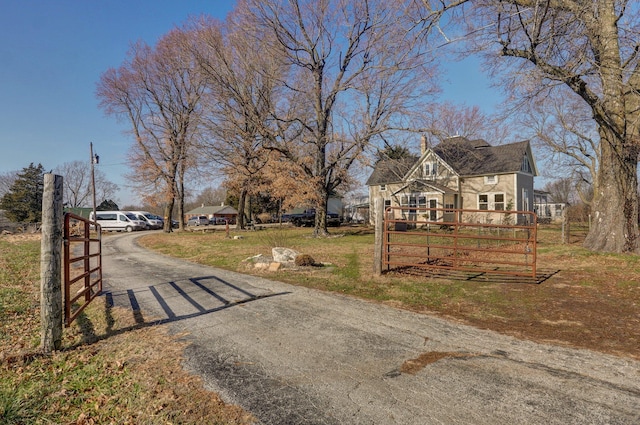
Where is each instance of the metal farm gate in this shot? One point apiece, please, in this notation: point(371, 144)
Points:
point(476, 241)
point(82, 265)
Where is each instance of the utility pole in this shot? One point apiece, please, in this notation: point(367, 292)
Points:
point(95, 159)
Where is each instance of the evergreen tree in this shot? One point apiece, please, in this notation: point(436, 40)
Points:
point(23, 201)
point(108, 205)
point(393, 152)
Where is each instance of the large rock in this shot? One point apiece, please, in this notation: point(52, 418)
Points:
point(284, 255)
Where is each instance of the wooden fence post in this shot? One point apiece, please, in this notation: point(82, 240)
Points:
point(51, 264)
point(378, 220)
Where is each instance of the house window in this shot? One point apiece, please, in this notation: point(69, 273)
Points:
point(483, 202)
point(422, 201)
point(433, 213)
point(387, 205)
point(414, 200)
point(526, 166)
point(558, 210)
point(490, 179)
point(383, 187)
point(491, 201)
point(430, 169)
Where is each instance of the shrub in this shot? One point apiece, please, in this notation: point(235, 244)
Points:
point(305, 260)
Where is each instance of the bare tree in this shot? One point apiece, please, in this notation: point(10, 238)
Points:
point(562, 190)
point(77, 184)
point(158, 91)
point(590, 48)
point(211, 196)
point(353, 73)
point(445, 120)
point(240, 80)
point(568, 141)
point(6, 181)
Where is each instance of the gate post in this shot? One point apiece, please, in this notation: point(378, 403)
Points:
point(51, 264)
point(378, 218)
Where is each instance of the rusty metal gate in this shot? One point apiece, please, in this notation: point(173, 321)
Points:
point(475, 241)
point(82, 265)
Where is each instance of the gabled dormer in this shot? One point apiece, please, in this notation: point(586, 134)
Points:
point(429, 166)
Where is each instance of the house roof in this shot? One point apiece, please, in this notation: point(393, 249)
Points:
point(391, 170)
point(212, 209)
point(477, 157)
point(465, 157)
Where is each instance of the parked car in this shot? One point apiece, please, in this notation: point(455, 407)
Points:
point(198, 220)
point(152, 221)
point(118, 221)
point(308, 217)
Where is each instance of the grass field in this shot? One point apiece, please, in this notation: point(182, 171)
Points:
point(103, 375)
point(111, 371)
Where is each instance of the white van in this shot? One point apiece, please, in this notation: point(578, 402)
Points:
point(152, 220)
point(118, 221)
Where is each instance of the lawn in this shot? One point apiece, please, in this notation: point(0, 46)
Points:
point(110, 371)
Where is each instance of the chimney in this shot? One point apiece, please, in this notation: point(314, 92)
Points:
point(423, 144)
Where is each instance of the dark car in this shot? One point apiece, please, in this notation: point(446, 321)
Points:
point(308, 217)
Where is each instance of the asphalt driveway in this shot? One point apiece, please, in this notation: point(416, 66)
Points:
point(291, 355)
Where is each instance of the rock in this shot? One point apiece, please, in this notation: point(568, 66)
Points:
point(274, 267)
point(284, 255)
point(255, 259)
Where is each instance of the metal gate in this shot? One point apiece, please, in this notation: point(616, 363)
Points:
point(82, 265)
point(476, 241)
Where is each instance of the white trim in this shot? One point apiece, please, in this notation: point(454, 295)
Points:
point(516, 192)
point(493, 177)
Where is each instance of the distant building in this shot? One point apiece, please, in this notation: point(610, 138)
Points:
point(545, 210)
point(214, 213)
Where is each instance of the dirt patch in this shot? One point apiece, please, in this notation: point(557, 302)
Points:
point(414, 366)
point(588, 301)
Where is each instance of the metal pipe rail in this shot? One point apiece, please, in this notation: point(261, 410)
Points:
point(77, 230)
point(477, 241)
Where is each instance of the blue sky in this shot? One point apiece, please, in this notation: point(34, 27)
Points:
point(52, 54)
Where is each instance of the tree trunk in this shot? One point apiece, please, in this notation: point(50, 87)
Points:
point(320, 228)
point(241, 207)
point(615, 203)
point(181, 200)
point(168, 215)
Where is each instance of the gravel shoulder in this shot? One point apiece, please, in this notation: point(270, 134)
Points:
point(292, 355)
